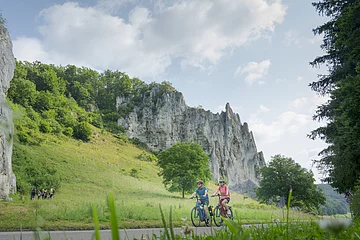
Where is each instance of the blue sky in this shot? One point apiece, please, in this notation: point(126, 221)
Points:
point(253, 54)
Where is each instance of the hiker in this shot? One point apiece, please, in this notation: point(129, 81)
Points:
point(52, 192)
point(33, 193)
point(39, 194)
point(42, 193)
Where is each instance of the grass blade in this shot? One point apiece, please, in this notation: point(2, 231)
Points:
point(171, 225)
point(164, 223)
point(113, 219)
point(96, 223)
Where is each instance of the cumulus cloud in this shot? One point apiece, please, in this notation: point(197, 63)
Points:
point(254, 71)
point(286, 123)
point(30, 49)
point(198, 32)
point(309, 103)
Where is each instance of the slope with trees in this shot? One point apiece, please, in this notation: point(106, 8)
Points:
point(335, 202)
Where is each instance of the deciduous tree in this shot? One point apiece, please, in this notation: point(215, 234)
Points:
point(283, 173)
point(182, 164)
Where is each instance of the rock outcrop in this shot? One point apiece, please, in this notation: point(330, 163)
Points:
point(7, 66)
point(162, 121)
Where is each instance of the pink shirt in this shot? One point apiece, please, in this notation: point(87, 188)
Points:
point(224, 191)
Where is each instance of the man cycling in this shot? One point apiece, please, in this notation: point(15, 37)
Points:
point(202, 191)
point(224, 195)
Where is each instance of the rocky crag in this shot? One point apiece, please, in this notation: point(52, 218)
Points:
point(161, 121)
point(7, 66)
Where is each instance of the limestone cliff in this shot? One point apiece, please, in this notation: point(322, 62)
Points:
point(7, 66)
point(163, 121)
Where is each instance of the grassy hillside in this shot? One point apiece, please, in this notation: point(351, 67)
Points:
point(89, 171)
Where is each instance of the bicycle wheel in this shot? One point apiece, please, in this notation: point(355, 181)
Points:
point(195, 217)
point(231, 215)
point(217, 216)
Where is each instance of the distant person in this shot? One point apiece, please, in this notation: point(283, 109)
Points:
point(45, 194)
point(42, 193)
point(224, 195)
point(33, 193)
point(52, 192)
point(39, 194)
point(202, 192)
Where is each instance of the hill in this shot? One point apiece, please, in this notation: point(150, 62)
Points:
point(335, 202)
point(88, 171)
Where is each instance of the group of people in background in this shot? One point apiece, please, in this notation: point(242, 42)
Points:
point(42, 194)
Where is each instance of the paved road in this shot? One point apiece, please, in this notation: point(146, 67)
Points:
point(87, 235)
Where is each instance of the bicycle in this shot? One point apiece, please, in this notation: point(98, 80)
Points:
point(198, 215)
point(219, 212)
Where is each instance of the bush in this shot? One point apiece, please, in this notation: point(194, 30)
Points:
point(68, 131)
point(45, 126)
point(355, 203)
point(83, 131)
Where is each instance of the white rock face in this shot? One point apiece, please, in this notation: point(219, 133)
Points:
point(7, 66)
point(163, 121)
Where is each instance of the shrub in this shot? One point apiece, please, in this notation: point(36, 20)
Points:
point(83, 131)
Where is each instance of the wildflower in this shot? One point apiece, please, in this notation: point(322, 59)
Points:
point(335, 225)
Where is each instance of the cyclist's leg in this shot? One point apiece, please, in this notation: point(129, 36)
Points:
point(206, 210)
point(224, 203)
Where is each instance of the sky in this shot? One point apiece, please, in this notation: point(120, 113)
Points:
point(253, 54)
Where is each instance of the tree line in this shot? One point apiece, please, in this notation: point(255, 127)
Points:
point(68, 99)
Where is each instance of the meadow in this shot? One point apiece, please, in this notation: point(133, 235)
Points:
point(110, 164)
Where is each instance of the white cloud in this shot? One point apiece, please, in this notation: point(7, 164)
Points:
point(286, 123)
point(264, 109)
point(299, 78)
point(30, 49)
point(291, 38)
point(309, 103)
point(300, 102)
point(198, 32)
point(254, 71)
point(112, 5)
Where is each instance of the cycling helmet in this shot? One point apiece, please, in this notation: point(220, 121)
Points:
point(200, 181)
point(221, 181)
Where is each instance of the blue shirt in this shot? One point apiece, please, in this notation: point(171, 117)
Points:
point(201, 193)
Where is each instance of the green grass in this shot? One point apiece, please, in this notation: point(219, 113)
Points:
point(89, 171)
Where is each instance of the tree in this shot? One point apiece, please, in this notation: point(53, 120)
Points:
point(283, 173)
point(182, 164)
point(339, 162)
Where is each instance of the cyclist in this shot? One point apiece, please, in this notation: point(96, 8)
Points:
point(224, 195)
point(202, 191)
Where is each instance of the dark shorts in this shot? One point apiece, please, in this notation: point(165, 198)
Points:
point(228, 199)
point(204, 202)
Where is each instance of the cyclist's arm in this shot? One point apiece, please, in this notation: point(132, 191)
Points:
point(206, 193)
point(217, 191)
point(193, 195)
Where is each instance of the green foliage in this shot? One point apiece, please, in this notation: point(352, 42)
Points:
point(283, 173)
point(31, 173)
point(82, 131)
point(2, 20)
point(339, 162)
point(182, 164)
point(335, 202)
point(355, 202)
point(148, 157)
